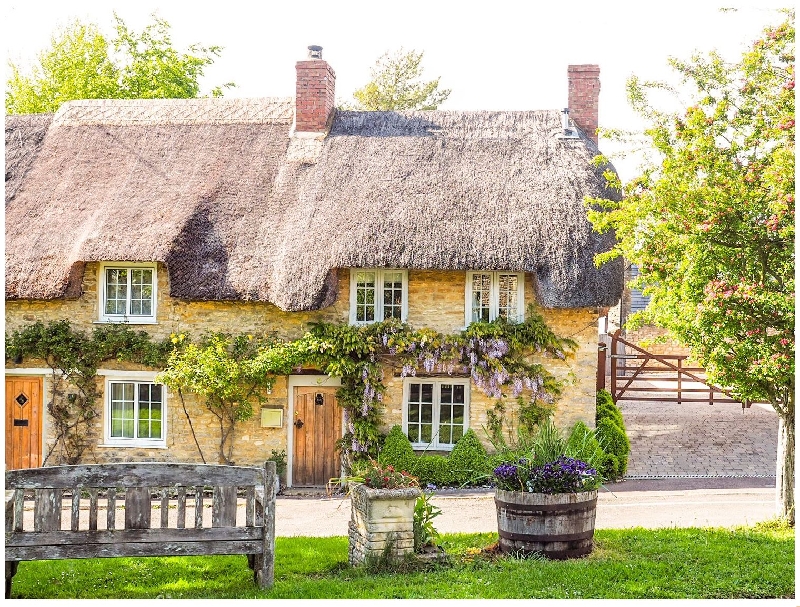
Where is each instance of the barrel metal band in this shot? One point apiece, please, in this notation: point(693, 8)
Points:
point(531, 537)
point(576, 507)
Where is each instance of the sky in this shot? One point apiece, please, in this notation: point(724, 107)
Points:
point(494, 55)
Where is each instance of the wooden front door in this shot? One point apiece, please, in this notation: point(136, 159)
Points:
point(23, 422)
point(317, 427)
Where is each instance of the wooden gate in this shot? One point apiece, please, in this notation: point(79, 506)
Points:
point(317, 427)
point(637, 374)
point(23, 422)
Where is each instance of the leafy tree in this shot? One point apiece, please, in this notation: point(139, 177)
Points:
point(710, 223)
point(82, 64)
point(396, 85)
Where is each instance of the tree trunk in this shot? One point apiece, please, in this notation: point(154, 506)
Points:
point(785, 467)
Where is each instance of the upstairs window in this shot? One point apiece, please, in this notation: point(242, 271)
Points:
point(492, 295)
point(128, 293)
point(377, 295)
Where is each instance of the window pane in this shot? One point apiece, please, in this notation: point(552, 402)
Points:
point(392, 295)
point(413, 393)
point(365, 296)
point(141, 292)
point(426, 433)
point(481, 288)
point(122, 410)
point(150, 408)
point(116, 290)
point(451, 413)
point(507, 297)
point(427, 393)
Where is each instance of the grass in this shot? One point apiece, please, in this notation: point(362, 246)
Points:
point(748, 562)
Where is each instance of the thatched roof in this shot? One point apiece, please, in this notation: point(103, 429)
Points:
point(216, 190)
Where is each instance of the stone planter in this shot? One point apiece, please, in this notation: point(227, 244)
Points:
point(558, 526)
point(381, 518)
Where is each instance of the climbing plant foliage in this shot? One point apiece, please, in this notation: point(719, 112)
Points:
point(74, 357)
point(232, 374)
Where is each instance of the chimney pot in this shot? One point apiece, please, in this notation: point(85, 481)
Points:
point(314, 52)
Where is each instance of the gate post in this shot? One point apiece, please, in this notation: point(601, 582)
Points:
point(601, 366)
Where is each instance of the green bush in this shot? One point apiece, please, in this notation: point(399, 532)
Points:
point(612, 436)
point(607, 408)
point(468, 464)
point(397, 451)
point(433, 470)
point(614, 442)
point(583, 445)
point(468, 460)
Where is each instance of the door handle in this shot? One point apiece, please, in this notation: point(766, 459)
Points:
point(299, 423)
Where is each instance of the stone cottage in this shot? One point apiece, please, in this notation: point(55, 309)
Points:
point(261, 215)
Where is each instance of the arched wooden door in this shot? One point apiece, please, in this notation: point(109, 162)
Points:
point(23, 422)
point(317, 427)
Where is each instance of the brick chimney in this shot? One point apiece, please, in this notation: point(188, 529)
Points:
point(314, 102)
point(584, 92)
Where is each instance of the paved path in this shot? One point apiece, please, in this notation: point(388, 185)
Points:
point(697, 439)
point(648, 504)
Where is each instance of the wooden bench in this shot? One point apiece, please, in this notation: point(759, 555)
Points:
point(131, 494)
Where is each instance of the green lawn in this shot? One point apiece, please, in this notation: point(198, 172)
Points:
point(753, 562)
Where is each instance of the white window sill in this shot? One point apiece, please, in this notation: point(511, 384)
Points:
point(132, 445)
point(114, 321)
point(427, 447)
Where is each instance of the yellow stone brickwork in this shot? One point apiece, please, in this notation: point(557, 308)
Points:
point(436, 300)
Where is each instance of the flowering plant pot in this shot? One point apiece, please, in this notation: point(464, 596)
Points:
point(382, 513)
point(546, 509)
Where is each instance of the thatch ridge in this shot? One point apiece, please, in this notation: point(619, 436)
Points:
point(218, 201)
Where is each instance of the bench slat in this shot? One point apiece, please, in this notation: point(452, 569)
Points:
point(223, 512)
point(92, 509)
point(137, 508)
point(90, 551)
point(164, 508)
point(102, 536)
point(250, 499)
point(47, 510)
point(181, 507)
point(19, 508)
point(198, 507)
point(111, 509)
point(143, 474)
point(74, 523)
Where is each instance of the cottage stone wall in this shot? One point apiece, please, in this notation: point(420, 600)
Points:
point(436, 300)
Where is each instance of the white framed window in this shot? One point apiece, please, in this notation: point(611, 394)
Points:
point(377, 295)
point(128, 293)
point(135, 412)
point(491, 295)
point(435, 411)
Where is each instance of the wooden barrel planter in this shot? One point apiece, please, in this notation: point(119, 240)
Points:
point(558, 526)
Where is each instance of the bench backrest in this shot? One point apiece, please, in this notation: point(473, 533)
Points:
point(141, 488)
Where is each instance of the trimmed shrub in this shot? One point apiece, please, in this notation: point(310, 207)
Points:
point(397, 451)
point(614, 442)
point(468, 460)
point(467, 464)
point(607, 408)
point(433, 470)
